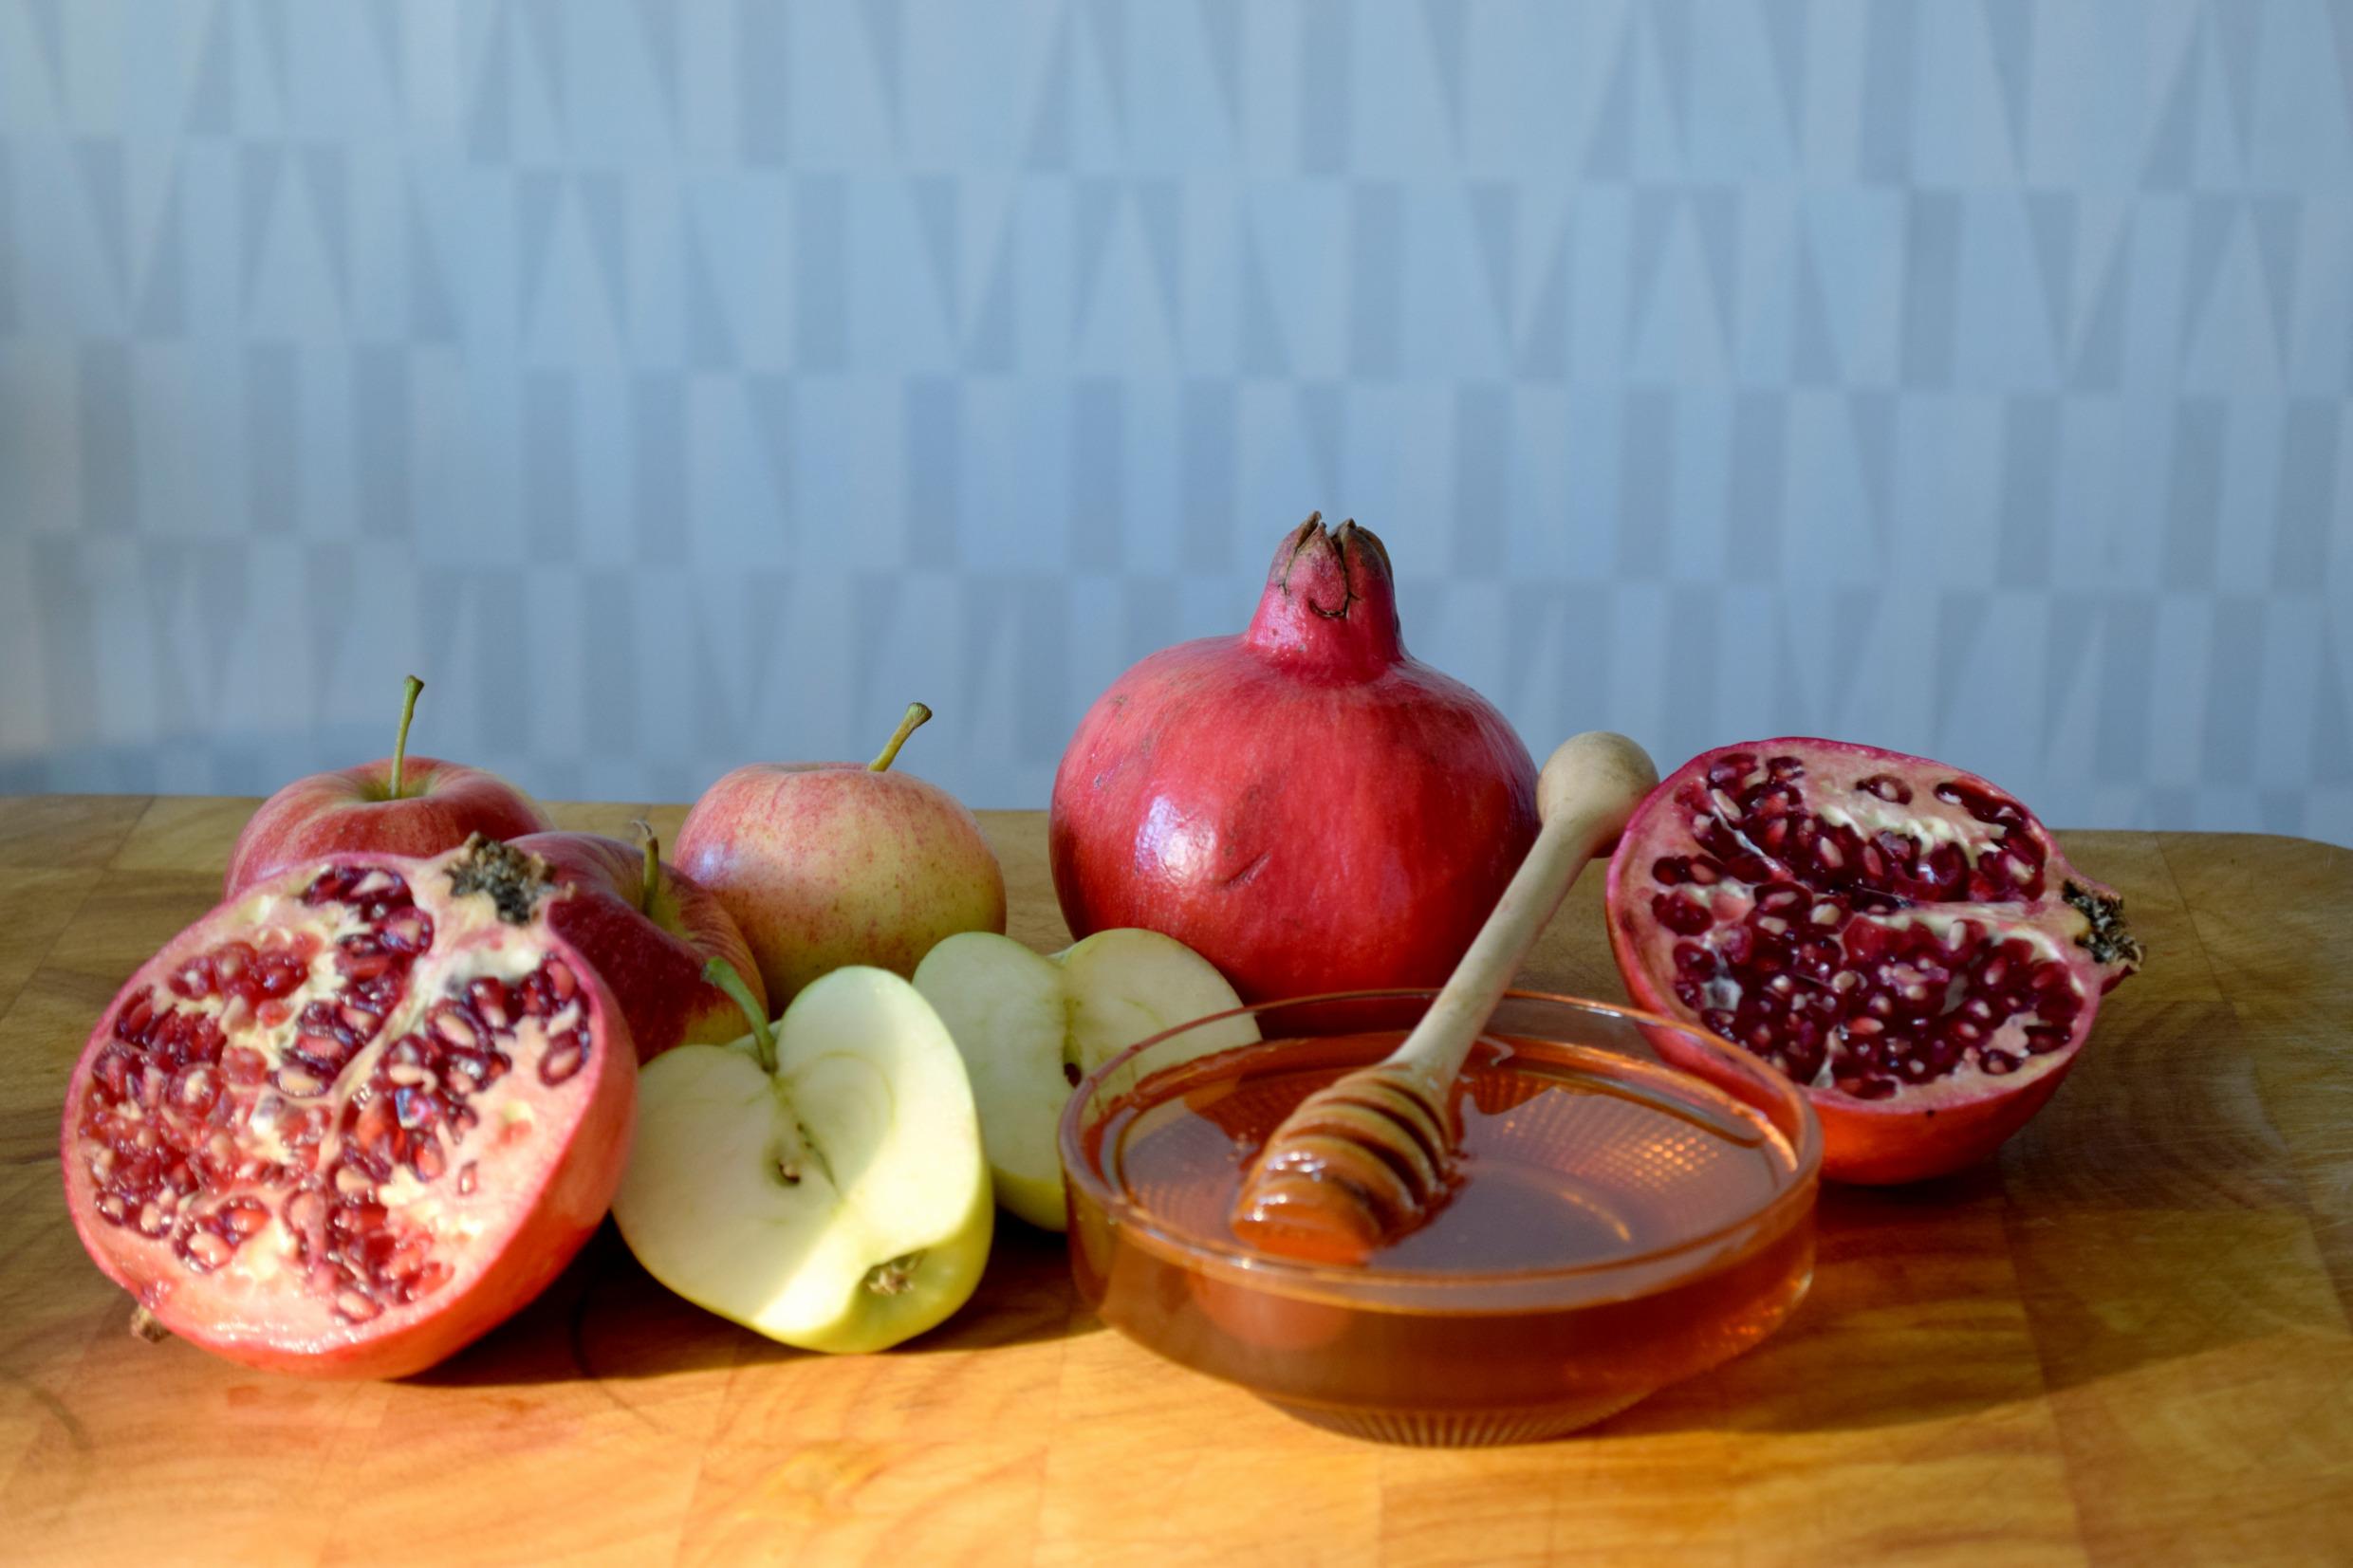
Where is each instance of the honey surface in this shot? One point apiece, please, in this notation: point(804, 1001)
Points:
point(1568, 1155)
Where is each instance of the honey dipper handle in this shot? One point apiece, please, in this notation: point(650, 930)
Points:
point(1589, 787)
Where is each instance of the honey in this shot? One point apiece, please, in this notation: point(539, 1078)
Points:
point(1616, 1225)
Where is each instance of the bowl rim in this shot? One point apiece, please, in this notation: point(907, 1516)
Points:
point(1799, 1194)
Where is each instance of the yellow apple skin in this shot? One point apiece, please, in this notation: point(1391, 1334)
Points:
point(824, 865)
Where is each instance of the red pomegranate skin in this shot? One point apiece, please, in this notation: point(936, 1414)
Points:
point(1305, 805)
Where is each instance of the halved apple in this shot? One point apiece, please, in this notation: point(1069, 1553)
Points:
point(1030, 1027)
point(822, 1184)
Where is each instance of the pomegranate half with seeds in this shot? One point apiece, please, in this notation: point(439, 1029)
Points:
point(1901, 939)
point(354, 1117)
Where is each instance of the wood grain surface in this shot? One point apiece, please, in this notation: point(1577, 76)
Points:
point(2126, 1341)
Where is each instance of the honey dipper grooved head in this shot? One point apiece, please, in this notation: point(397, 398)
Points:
point(1359, 1159)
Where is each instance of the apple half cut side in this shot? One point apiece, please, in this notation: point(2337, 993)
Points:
point(824, 1186)
point(1030, 1027)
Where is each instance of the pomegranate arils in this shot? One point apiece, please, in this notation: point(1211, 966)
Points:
point(279, 1137)
point(1877, 927)
point(189, 1137)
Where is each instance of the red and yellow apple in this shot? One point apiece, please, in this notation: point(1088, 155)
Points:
point(824, 865)
point(395, 805)
point(648, 930)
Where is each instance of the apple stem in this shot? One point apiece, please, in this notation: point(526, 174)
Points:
point(400, 742)
point(651, 882)
point(916, 714)
point(721, 974)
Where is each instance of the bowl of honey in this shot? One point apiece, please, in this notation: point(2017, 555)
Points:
point(1633, 1204)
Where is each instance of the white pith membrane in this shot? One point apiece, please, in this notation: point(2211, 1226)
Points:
point(1865, 932)
point(318, 1108)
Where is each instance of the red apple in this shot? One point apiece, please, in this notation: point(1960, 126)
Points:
point(396, 806)
point(827, 864)
point(648, 930)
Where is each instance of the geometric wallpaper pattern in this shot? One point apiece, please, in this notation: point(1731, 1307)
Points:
point(673, 383)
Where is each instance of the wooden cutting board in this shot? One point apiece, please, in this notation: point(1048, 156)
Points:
point(2124, 1343)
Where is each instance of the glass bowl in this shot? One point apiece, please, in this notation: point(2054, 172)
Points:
point(1491, 1332)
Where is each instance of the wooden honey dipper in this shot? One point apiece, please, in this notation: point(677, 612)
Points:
point(1371, 1155)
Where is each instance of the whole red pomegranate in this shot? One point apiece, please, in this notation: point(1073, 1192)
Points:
point(1305, 805)
point(1902, 939)
point(355, 1117)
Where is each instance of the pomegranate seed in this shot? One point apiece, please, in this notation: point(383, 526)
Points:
point(279, 975)
point(356, 1307)
point(2042, 1038)
point(131, 1023)
point(1731, 768)
point(194, 980)
point(363, 965)
point(490, 1003)
point(409, 1261)
point(451, 1024)
point(563, 1057)
point(1681, 913)
point(411, 931)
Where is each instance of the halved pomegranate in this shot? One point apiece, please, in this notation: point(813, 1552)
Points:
point(1902, 939)
point(354, 1117)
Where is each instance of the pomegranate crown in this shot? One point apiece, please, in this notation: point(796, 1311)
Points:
point(1330, 600)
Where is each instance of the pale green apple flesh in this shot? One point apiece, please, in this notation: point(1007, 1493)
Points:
point(1029, 1028)
point(841, 1202)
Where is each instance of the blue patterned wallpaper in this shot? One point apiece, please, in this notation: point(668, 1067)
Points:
point(672, 383)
